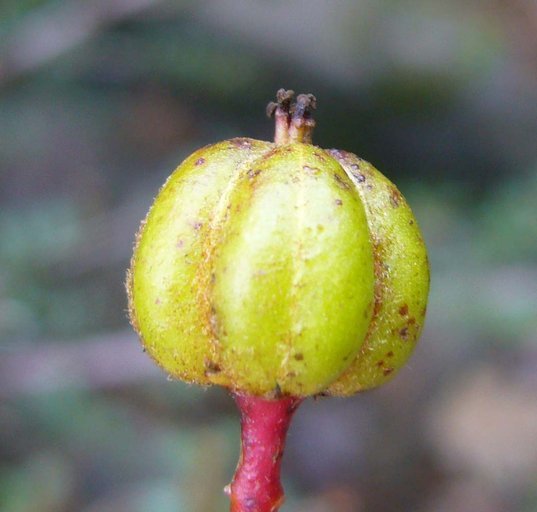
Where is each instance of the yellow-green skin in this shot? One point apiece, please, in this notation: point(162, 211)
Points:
point(279, 269)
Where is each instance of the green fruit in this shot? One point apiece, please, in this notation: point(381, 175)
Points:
point(279, 268)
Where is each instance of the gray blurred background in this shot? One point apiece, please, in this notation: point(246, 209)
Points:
point(101, 99)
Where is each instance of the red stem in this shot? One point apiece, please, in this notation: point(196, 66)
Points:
point(256, 485)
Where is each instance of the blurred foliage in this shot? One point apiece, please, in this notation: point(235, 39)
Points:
point(99, 100)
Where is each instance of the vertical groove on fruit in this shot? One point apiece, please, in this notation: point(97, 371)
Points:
point(206, 273)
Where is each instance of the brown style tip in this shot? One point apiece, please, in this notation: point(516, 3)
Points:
point(294, 121)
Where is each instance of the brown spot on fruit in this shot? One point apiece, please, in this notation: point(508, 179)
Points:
point(395, 197)
point(213, 321)
point(339, 202)
point(311, 170)
point(240, 142)
point(360, 178)
point(200, 161)
point(299, 356)
point(404, 333)
point(387, 371)
point(390, 354)
point(252, 174)
point(380, 364)
point(197, 225)
point(211, 367)
point(403, 310)
point(340, 181)
point(337, 153)
point(411, 321)
point(411, 222)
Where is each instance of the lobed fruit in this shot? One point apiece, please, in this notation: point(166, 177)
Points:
point(279, 268)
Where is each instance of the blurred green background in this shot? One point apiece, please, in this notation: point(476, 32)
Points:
point(101, 99)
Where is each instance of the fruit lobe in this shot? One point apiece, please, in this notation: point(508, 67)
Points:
point(401, 280)
point(165, 283)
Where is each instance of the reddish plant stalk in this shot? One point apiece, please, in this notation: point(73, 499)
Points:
point(256, 486)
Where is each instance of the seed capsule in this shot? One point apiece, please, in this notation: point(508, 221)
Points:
point(279, 268)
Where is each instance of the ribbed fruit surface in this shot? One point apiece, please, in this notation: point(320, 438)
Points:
point(278, 269)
